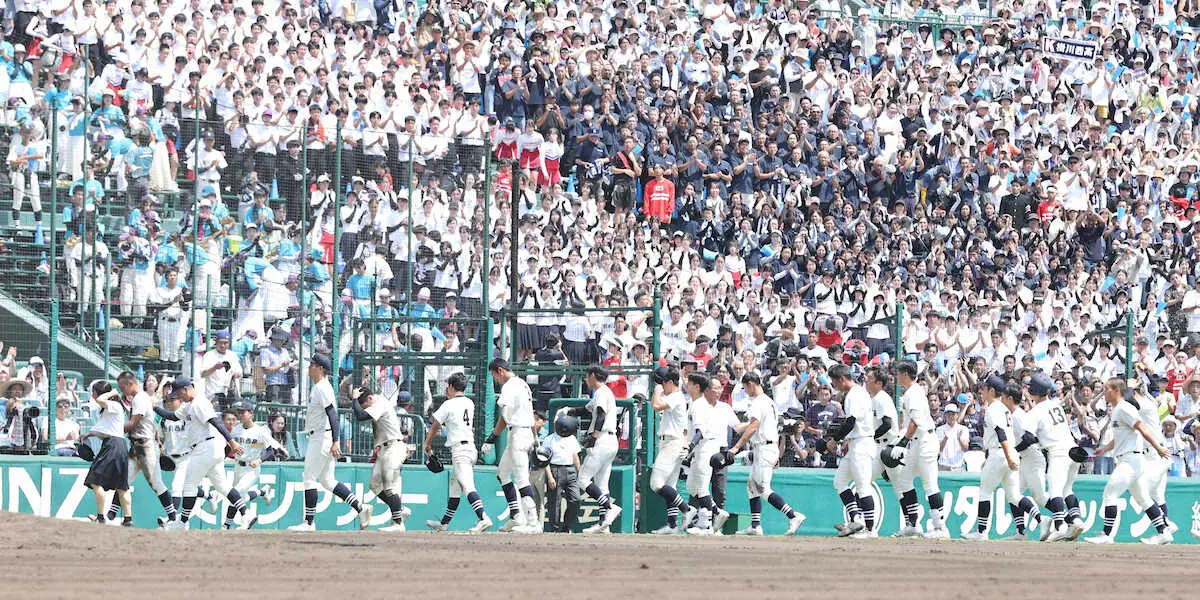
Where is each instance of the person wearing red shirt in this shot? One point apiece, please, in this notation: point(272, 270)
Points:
point(1049, 208)
point(616, 382)
point(701, 354)
point(659, 197)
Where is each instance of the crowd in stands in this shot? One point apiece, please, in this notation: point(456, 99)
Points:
point(786, 175)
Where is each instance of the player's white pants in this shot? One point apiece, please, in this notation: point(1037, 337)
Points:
point(318, 462)
point(385, 474)
point(1059, 467)
point(1154, 476)
point(996, 473)
point(671, 452)
point(180, 476)
point(135, 291)
point(172, 323)
point(25, 183)
point(1126, 476)
point(514, 464)
point(854, 471)
point(921, 461)
point(207, 459)
point(246, 478)
point(597, 465)
point(758, 484)
point(462, 461)
point(1032, 475)
point(143, 457)
point(700, 477)
point(877, 469)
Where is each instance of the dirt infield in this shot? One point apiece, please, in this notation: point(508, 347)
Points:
point(48, 558)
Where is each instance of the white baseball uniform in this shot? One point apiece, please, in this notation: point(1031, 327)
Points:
point(318, 457)
point(248, 466)
point(882, 406)
point(765, 445)
point(1154, 467)
point(389, 441)
point(713, 425)
point(1032, 474)
point(207, 455)
point(1054, 436)
point(672, 441)
point(1127, 451)
point(597, 464)
point(855, 468)
point(997, 422)
point(175, 445)
point(456, 416)
point(516, 405)
point(923, 449)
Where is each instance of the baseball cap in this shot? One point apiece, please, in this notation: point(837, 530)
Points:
point(243, 405)
point(222, 335)
point(950, 408)
point(177, 384)
point(322, 360)
point(1040, 385)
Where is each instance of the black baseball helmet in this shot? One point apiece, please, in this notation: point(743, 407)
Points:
point(1078, 454)
point(885, 456)
point(721, 459)
point(85, 451)
point(540, 458)
point(434, 464)
point(566, 425)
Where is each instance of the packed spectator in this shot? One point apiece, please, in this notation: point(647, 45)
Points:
point(785, 176)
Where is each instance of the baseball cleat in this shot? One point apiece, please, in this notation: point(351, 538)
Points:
point(526, 529)
point(751, 530)
point(689, 516)
point(302, 527)
point(940, 533)
point(719, 520)
point(508, 526)
point(850, 529)
point(482, 525)
point(1100, 539)
point(1172, 528)
point(1074, 530)
point(1059, 534)
point(1034, 519)
point(268, 494)
point(865, 534)
point(615, 511)
point(127, 523)
point(175, 525)
point(1012, 537)
point(794, 524)
point(405, 512)
point(162, 521)
point(364, 516)
point(394, 528)
point(665, 530)
point(699, 531)
point(908, 531)
point(248, 522)
point(1158, 539)
point(1047, 530)
point(597, 528)
point(436, 525)
point(975, 535)
point(112, 522)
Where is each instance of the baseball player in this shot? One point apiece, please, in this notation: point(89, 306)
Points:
point(1154, 468)
point(173, 435)
point(710, 432)
point(761, 434)
point(324, 448)
point(1127, 449)
point(206, 457)
point(1001, 465)
point(390, 448)
point(516, 416)
point(143, 445)
point(457, 415)
point(247, 469)
point(1031, 474)
point(601, 444)
point(853, 478)
point(918, 448)
point(886, 434)
point(1052, 433)
point(672, 405)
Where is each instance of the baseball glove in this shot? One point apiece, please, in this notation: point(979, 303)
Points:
point(433, 464)
point(85, 451)
point(166, 463)
point(1078, 454)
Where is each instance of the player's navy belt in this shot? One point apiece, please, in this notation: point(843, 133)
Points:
point(765, 444)
point(314, 431)
point(175, 456)
point(207, 439)
point(608, 432)
point(388, 443)
point(243, 463)
point(1129, 453)
point(464, 442)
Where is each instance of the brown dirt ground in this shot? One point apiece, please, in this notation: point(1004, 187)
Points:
point(47, 558)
